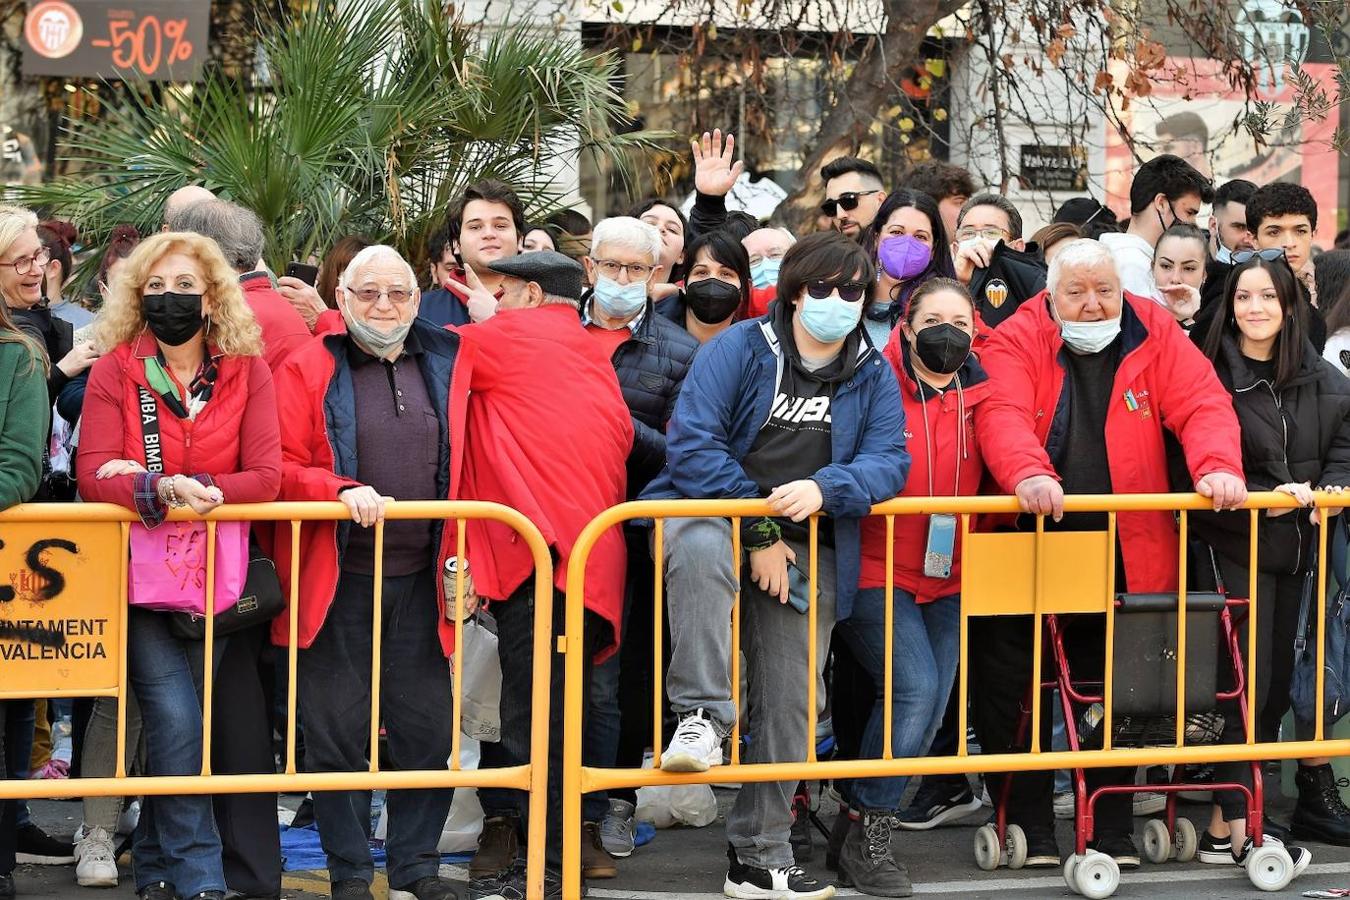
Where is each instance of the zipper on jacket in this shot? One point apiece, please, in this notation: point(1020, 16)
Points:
point(1284, 456)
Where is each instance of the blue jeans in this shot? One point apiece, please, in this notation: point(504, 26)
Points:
point(18, 722)
point(176, 840)
point(924, 656)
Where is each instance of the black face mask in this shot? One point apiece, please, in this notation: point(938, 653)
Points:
point(711, 301)
point(942, 349)
point(172, 318)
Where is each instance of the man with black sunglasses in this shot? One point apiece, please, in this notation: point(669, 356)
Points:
point(853, 194)
point(797, 408)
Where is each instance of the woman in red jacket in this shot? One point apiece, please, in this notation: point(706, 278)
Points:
point(185, 344)
point(942, 386)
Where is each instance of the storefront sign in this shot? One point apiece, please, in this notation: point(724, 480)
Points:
point(157, 40)
point(1048, 167)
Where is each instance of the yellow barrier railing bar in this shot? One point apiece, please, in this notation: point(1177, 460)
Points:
point(579, 779)
point(888, 677)
point(963, 675)
point(735, 641)
point(377, 645)
point(1108, 675)
point(1320, 610)
point(530, 777)
point(813, 598)
point(293, 639)
point(658, 654)
point(457, 671)
point(1251, 629)
point(208, 647)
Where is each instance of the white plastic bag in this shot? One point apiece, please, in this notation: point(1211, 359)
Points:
point(480, 717)
point(694, 805)
point(465, 822)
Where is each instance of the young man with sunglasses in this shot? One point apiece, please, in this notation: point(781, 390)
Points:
point(797, 408)
point(1165, 190)
point(1282, 219)
point(853, 194)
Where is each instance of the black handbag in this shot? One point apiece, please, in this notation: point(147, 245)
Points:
point(260, 601)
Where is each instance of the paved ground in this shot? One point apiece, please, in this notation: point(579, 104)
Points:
point(690, 863)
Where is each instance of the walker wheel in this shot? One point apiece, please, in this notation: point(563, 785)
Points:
point(1185, 841)
point(1157, 842)
point(1097, 876)
point(1015, 843)
point(1270, 867)
point(988, 852)
point(1070, 865)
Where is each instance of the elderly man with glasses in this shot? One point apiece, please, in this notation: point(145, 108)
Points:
point(368, 415)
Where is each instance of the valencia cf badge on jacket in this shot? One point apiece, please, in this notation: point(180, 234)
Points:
point(996, 292)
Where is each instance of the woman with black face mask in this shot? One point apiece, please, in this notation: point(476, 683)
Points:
point(716, 289)
point(180, 412)
point(942, 386)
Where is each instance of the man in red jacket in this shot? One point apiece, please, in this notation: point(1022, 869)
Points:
point(239, 233)
point(548, 434)
point(373, 412)
point(1085, 381)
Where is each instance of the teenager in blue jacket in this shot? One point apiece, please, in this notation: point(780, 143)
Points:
point(798, 408)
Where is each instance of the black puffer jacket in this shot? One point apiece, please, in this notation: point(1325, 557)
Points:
point(651, 366)
point(1299, 433)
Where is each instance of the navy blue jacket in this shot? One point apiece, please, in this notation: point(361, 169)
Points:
point(442, 308)
point(727, 398)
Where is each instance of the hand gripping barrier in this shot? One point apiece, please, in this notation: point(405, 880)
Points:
point(1041, 574)
point(67, 568)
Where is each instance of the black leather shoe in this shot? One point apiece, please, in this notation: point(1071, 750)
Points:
point(1320, 814)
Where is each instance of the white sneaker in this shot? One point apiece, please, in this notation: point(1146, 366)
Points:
point(1149, 803)
point(695, 747)
point(95, 860)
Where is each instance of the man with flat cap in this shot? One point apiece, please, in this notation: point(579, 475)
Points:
point(548, 434)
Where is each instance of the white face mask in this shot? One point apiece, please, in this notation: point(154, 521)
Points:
point(968, 243)
point(1087, 337)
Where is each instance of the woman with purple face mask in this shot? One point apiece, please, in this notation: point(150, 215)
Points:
point(911, 246)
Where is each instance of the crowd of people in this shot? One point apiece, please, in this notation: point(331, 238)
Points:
point(917, 344)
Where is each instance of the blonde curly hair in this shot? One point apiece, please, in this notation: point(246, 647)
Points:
point(231, 325)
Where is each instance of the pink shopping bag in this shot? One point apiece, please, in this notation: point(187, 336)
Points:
point(167, 571)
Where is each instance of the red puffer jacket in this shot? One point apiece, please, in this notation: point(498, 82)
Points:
point(1162, 381)
point(234, 439)
point(939, 431)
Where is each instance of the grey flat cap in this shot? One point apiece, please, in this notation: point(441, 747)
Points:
point(558, 275)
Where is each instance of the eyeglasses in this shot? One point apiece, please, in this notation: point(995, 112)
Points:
point(849, 201)
point(991, 233)
point(24, 264)
point(611, 268)
point(1270, 254)
point(849, 291)
point(397, 296)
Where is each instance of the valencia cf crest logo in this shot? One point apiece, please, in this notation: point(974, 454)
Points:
point(996, 292)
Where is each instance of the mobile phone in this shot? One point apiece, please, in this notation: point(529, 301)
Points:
point(307, 274)
point(799, 589)
point(937, 557)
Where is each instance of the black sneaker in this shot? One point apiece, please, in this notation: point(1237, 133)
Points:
point(1216, 851)
point(753, 883)
point(160, 890)
point(1299, 855)
point(351, 889)
point(937, 802)
point(35, 847)
point(800, 837)
point(1119, 847)
point(510, 885)
point(431, 887)
point(1042, 849)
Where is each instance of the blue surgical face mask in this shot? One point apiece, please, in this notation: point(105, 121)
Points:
point(828, 320)
point(619, 301)
point(1224, 255)
point(765, 272)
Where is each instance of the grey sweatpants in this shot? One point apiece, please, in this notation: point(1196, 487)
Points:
point(775, 640)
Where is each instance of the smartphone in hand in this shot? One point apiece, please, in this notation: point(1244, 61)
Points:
point(307, 274)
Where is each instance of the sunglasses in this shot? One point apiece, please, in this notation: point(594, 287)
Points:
point(1270, 254)
point(849, 201)
point(849, 291)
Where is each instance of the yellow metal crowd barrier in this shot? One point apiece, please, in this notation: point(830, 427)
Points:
point(1036, 573)
point(67, 566)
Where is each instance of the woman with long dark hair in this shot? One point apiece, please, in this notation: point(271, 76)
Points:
point(911, 246)
point(1294, 410)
